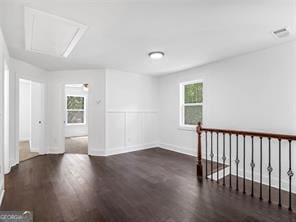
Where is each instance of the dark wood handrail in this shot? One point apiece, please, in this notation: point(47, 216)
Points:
point(249, 133)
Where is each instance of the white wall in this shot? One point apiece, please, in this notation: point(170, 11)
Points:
point(32, 73)
point(77, 129)
point(96, 108)
point(29, 72)
point(131, 112)
point(37, 117)
point(4, 57)
point(250, 92)
point(25, 110)
point(131, 91)
point(132, 98)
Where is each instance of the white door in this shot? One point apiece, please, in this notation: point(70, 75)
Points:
point(37, 118)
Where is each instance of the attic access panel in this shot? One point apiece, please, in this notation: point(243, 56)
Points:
point(50, 34)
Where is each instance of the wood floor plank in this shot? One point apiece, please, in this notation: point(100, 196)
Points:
point(150, 185)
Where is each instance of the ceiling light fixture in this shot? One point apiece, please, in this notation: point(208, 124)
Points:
point(156, 55)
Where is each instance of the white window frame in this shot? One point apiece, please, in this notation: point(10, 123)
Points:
point(84, 111)
point(182, 104)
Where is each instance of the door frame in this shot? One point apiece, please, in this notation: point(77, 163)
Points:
point(6, 117)
point(64, 113)
point(43, 148)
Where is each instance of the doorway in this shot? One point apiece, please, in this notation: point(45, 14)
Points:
point(31, 119)
point(76, 118)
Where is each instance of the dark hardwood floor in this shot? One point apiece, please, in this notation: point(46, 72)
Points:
point(144, 186)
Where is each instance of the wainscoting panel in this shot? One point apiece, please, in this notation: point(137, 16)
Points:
point(115, 130)
point(150, 128)
point(134, 126)
point(128, 131)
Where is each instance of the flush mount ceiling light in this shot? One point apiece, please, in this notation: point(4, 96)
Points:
point(156, 55)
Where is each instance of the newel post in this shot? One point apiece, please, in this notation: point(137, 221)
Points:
point(198, 159)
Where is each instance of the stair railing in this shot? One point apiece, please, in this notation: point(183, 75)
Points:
point(210, 133)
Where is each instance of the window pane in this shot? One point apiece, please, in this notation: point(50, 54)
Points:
point(192, 115)
point(193, 93)
point(75, 116)
point(75, 102)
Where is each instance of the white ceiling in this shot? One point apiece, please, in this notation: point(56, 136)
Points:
point(51, 35)
point(121, 33)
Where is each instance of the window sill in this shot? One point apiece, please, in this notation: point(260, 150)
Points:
point(187, 128)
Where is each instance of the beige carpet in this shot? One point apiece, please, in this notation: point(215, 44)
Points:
point(76, 145)
point(25, 152)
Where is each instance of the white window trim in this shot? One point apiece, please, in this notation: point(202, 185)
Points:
point(84, 111)
point(183, 126)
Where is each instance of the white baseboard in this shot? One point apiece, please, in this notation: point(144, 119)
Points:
point(32, 149)
point(120, 150)
point(220, 174)
point(54, 150)
point(265, 181)
point(94, 152)
point(114, 151)
point(248, 174)
point(2, 196)
point(73, 136)
point(274, 179)
point(12, 163)
point(178, 149)
point(7, 171)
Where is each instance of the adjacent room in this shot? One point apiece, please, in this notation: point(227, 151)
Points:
point(139, 111)
point(76, 127)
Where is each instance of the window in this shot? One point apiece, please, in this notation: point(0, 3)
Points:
point(75, 110)
point(191, 103)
